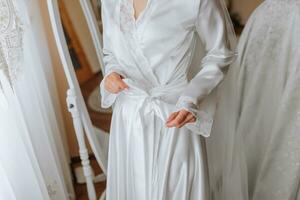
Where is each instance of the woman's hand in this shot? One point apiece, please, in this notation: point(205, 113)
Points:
point(114, 84)
point(180, 118)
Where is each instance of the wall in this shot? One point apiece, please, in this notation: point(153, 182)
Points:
point(80, 26)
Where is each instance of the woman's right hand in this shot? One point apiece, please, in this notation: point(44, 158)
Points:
point(114, 83)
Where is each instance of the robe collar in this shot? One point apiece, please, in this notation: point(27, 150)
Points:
point(132, 31)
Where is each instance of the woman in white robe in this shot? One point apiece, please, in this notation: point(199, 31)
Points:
point(153, 54)
point(257, 124)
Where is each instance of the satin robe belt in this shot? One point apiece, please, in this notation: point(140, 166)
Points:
point(153, 100)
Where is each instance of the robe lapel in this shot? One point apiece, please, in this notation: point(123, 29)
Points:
point(129, 28)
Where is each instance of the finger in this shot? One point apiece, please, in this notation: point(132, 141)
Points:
point(112, 89)
point(115, 76)
point(170, 123)
point(119, 82)
point(172, 116)
point(122, 84)
point(179, 118)
point(188, 119)
point(193, 119)
point(114, 85)
point(109, 88)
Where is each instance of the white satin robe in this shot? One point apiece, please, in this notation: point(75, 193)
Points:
point(147, 160)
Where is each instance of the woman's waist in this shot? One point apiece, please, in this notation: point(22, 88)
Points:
point(140, 91)
point(160, 99)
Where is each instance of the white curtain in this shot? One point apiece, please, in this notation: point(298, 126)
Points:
point(33, 161)
point(20, 175)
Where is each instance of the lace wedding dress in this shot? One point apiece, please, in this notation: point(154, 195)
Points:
point(11, 35)
point(254, 151)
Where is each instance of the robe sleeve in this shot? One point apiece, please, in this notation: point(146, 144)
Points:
point(211, 28)
point(110, 62)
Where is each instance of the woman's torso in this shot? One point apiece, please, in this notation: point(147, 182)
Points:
point(160, 42)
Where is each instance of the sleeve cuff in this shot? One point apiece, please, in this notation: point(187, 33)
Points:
point(107, 98)
point(204, 119)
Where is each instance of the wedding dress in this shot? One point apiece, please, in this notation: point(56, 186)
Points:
point(155, 55)
point(254, 149)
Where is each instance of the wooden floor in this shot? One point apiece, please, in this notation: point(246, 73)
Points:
point(100, 120)
point(81, 190)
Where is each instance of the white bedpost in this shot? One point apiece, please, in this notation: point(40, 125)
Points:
point(83, 151)
point(98, 139)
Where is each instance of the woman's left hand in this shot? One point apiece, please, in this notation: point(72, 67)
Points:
point(180, 118)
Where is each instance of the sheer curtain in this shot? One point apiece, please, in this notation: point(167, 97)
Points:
point(33, 160)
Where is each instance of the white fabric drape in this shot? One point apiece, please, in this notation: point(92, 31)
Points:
point(11, 35)
point(38, 161)
point(20, 175)
point(254, 150)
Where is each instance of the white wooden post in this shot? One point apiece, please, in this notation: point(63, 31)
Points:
point(81, 120)
point(84, 156)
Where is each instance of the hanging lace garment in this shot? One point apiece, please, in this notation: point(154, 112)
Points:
point(11, 42)
point(254, 151)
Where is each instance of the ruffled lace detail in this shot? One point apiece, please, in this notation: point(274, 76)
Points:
point(126, 16)
point(204, 120)
point(11, 40)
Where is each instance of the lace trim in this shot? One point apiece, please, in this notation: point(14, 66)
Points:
point(126, 16)
point(11, 40)
point(204, 120)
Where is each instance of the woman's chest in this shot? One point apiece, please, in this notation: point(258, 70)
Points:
point(158, 16)
point(159, 22)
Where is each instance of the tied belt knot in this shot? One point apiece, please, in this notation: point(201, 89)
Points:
point(153, 100)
